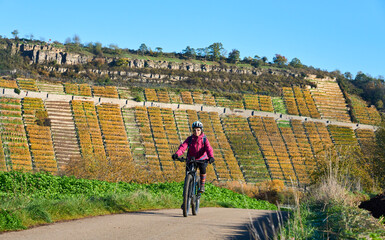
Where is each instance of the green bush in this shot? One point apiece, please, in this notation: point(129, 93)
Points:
point(9, 221)
point(138, 98)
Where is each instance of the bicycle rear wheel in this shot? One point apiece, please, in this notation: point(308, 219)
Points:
point(196, 197)
point(187, 192)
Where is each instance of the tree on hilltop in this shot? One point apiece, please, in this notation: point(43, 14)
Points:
point(159, 51)
point(116, 49)
point(189, 52)
point(143, 48)
point(247, 59)
point(348, 75)
point(257, 61)
point(73, 44)
point(30, 36)
point(373, 89)
point(280, 60)
point(15, 34)
point(97, 49)
point(234, 56)
point(295, 62)
point(203, 52)
point(264, 59)
point(215, 51)
point(76, 39)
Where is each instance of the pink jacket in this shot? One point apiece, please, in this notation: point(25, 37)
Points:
point(197, 149)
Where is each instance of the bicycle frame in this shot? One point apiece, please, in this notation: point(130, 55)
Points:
point(191, 185)
point(191, 168)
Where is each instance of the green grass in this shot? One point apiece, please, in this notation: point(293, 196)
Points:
point(278, 104)
point(168, 59)
point(243, 65)
point(283, 124)
point(145, 57)
point(207, 62)
point(28, 199)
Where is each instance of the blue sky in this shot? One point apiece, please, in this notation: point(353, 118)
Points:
point(348, 35)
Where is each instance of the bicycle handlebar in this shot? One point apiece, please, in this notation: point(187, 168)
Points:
point(183, 159)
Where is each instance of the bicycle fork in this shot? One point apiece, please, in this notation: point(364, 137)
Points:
point(195, 187)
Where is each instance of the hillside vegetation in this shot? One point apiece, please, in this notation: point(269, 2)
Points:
point(133, 140)
point(115, 58)
point(135, 143)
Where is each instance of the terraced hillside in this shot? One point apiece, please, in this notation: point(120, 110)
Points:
point(364, 113)
point(39, 135)
point(326, 101)
point(329, 100)
point(64, 138)
point(15, 150)
point(252, 148)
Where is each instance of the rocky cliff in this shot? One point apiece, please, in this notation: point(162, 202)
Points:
point(40, 54)
point(46, 53)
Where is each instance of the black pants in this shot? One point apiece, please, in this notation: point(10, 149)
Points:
point(202, 165)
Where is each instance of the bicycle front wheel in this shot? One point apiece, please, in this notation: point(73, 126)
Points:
point(196, 197)
point(187, 192)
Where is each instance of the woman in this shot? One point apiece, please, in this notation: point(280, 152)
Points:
point(199, 147)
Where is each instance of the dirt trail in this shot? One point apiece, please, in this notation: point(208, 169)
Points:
point(210, 223)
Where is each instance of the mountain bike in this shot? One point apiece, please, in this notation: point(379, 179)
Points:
point(191, 194)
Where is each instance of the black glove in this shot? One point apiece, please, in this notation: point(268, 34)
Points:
point(211, 160)
point(175, 156)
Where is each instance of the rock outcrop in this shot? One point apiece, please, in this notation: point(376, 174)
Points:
point(41, 54)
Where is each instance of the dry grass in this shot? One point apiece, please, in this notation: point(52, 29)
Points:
point(273, 191)
point(361, 169)
point(340, 177)
point(116, 170)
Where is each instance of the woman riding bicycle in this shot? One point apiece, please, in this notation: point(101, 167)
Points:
point(199, 148)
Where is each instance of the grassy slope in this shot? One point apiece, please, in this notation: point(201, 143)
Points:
point(30, 199)
point(314, 220)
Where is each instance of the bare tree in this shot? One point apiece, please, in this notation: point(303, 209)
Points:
point(15, 34)
point(76, 39)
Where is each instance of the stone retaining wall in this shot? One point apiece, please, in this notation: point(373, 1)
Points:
point(6, 92)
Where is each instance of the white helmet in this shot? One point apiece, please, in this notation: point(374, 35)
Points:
point(197, 124)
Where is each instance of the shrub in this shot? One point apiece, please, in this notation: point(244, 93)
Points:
point(138, 98)
point(9, 220)
point(345, 165)
point(330, 211)
point(42, 118)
